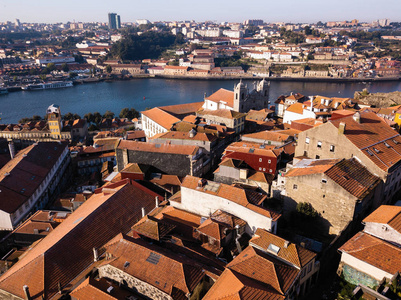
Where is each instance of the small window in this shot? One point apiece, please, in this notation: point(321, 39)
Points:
point(295, 187)
point(319, 145)
point(324, 180)
point(271, 171)
point(307, 140)
point(332, 147)
point(264, 169)
point(269, 161)
point(317, 157)
point(260, 160)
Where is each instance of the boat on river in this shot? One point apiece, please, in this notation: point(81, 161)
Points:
point(3, 91)
point(48, 85)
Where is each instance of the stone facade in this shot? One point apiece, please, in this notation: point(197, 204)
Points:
point(169, 163)
point(337, 206)
point(128, 280)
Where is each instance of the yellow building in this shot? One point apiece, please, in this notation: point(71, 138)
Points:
point(54, 121)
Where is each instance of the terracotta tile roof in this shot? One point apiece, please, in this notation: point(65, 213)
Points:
point(386, 214)
point(267, 136)
point(231, 193)
point(233, 286)
point(245, 147)
point(136, 134)
point(135, 168)
point(167, 180)
point(297, 108)
point(152, 228)
point(311, 166)
point(222, 95)
point(159, 267)
point(258, 115)
point(22, 176)
point(223, 113)
point(182, 109)
point(66, 251)
point(181, 216)
point(92, 289)
point(158, 148)
point(374, 251)
point(178, 135)
point(227, 219)
point(159, 116)
point(292, 253)
point(353, 177)
point(265, 269)
point(378, 141)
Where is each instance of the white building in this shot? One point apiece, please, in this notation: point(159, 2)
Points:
point(203, 197)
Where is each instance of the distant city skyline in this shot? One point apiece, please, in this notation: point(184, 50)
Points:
point(307, 11)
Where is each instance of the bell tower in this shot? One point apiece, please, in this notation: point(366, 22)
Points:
point(54, 121)
point(240, 94)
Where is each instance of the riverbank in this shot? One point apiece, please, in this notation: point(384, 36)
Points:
point(225, 78)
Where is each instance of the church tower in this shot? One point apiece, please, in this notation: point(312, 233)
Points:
point(263, 88)
point(54, 121)
point(240, 94)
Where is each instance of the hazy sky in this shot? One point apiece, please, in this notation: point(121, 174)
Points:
point(52, 11)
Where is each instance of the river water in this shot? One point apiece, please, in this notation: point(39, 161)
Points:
point(143, 93)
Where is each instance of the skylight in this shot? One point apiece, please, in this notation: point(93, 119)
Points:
point(273, 248)
point(153, 258)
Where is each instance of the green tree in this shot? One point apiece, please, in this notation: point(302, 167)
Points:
point(68, 117)
point(129, 113)
point(89, 117)
point(65, 67)
point(306, 209)
point(108, 115)
point(51, 67)
point(307, 30)
point(97, 117)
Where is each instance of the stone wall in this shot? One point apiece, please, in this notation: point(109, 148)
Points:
point(140, 286)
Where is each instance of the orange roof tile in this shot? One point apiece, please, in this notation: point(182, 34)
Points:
point(267, 136)
point(386, 214)
point(164, 119)
point(222, 95)
point(231, 193)
point(233, 286)
point(292, 253)
point(159, 267)
point(353, 177)
point(158, 148)
point(66, 251)
point(296, 108)
point(378, 141)
point(374, 251)
point(311, 166)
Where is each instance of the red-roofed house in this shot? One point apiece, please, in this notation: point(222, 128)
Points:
point(363, 135)
point(204, 197)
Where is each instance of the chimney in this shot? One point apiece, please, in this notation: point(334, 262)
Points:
point(143, 212)
point(286, 243)
point(11, 147)
point(157, 201)
point(341, 128)
point(95, 254)
point(26, 292)
point(357, 117)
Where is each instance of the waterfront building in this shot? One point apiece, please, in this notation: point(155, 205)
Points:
point(54, 129)
point(241, 99)
point(161, 119)
point(114, 21)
